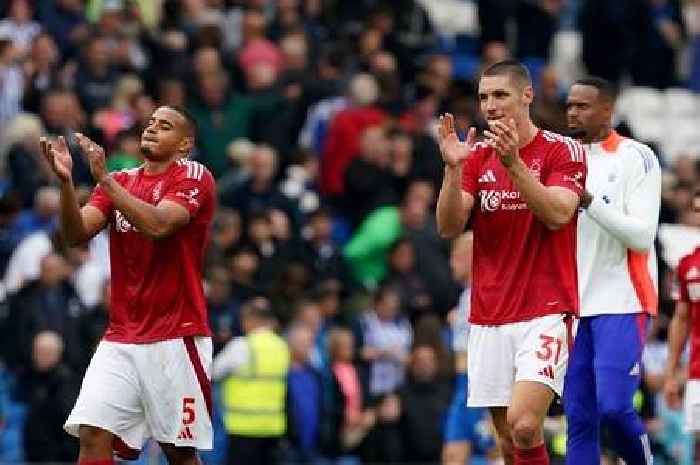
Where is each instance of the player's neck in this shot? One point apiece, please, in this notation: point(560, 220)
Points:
point(603, 134)
point(527, 132)
point(157, 167)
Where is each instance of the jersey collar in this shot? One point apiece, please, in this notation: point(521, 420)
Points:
point(612, 142)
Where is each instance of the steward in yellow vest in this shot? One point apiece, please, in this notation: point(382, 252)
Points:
point(253, 371)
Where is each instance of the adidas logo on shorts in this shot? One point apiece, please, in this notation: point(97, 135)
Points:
point(547, 372)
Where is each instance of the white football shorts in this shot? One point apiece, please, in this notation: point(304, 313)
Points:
point(160, 390)
point(534, 350)
point(691, 405)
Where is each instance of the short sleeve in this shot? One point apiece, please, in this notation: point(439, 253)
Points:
point(100, 200)
point(568, 166)
point(193, 187)
point(470, 172)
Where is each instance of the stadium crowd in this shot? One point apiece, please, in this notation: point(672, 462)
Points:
point(318, 119)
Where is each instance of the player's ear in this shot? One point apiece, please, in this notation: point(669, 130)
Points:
point(186, 145)
point(528, 94)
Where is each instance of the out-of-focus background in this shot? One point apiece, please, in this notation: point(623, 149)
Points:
point(318, 119)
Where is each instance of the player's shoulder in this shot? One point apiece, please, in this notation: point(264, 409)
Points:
point(639, 152)
point(480, 149)
point(126, 173)
point(193, 170)
point(560, 144)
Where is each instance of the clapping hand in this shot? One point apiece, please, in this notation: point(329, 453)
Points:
point(453, 150)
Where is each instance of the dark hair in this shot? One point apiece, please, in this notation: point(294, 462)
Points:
point(512, 68)
point(192, 125)
point(606, 89)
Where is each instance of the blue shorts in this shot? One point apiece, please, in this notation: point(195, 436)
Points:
point(467, 424)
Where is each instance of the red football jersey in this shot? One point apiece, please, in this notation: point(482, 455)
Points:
point(156, 285)
point(522, 270)
point(688, 291)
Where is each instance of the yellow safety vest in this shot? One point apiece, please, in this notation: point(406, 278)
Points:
point(254, 398)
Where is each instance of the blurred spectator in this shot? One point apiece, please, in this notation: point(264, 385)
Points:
point(223, 311)
point(260, 190)
point(225, 235)
point(244, 264)
point(63, 115)
point(290, 286)
point(549, 108)
point(405, 278)
point(343, 138)
point(691, 10)
point(304, 401)
point(387, 336)
point(424, 402)
point(19, 27)
point(96, 77)
point(12, 79)
point(92, 324)
point(44, 214)
point(49, 390)
point(320, 254)
point(603, 23)
point(9, 209)
point(349, 422)
point(221, 117)
point(65, 21)
point(41, 70)
point(253, 370)
point(127, 150)
point(369, 181)
point(537, 22)
point(47, 304)
point(659, 35)
point(122, 113)
point(385, 443)
point(23, 163)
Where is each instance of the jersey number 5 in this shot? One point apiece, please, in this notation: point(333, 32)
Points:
point(188, 412)
point(546, 349)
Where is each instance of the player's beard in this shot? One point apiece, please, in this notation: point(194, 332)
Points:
point(577, 133)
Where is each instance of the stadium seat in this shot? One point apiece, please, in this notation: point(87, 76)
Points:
point(681, 102)
point(566, 52)
point(640, 102)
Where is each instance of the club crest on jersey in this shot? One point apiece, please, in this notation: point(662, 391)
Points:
point(190, 196)
point(536, 167)
point(121, 224)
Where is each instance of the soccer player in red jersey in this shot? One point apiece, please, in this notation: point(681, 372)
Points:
point(149, 377)
point(521, 187)
point(686, 323)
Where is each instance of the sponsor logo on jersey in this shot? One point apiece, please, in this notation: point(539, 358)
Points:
point(493, 200)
